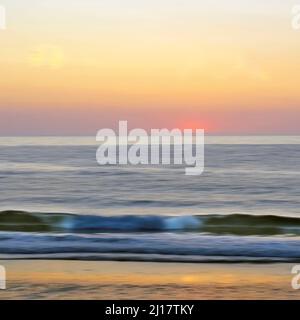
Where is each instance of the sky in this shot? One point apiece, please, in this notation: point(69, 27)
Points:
point(73, 67)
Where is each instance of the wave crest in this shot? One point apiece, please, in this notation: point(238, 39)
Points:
point(234, 224)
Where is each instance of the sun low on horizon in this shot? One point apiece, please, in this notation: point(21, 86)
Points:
point(227, 66)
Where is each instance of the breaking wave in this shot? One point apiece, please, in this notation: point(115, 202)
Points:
point(234, 224)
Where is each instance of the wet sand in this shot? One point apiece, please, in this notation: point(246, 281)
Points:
point(41, 279)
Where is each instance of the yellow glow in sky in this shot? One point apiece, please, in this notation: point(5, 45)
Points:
point(206, 61)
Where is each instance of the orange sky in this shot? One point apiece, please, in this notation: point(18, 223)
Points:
point(228, 66)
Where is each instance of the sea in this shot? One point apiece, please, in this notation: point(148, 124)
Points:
point(57, 202)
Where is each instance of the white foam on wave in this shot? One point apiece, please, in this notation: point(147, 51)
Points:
point(182, 223)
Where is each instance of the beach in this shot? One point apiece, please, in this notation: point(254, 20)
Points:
point(44, 279)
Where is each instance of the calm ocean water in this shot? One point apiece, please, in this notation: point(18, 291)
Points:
point(244, 207)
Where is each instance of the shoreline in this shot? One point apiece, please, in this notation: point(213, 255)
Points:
point(66, 279)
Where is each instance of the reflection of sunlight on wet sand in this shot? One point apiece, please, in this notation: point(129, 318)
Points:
point(131, 280)
point(230, 278)
point(142, 273)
